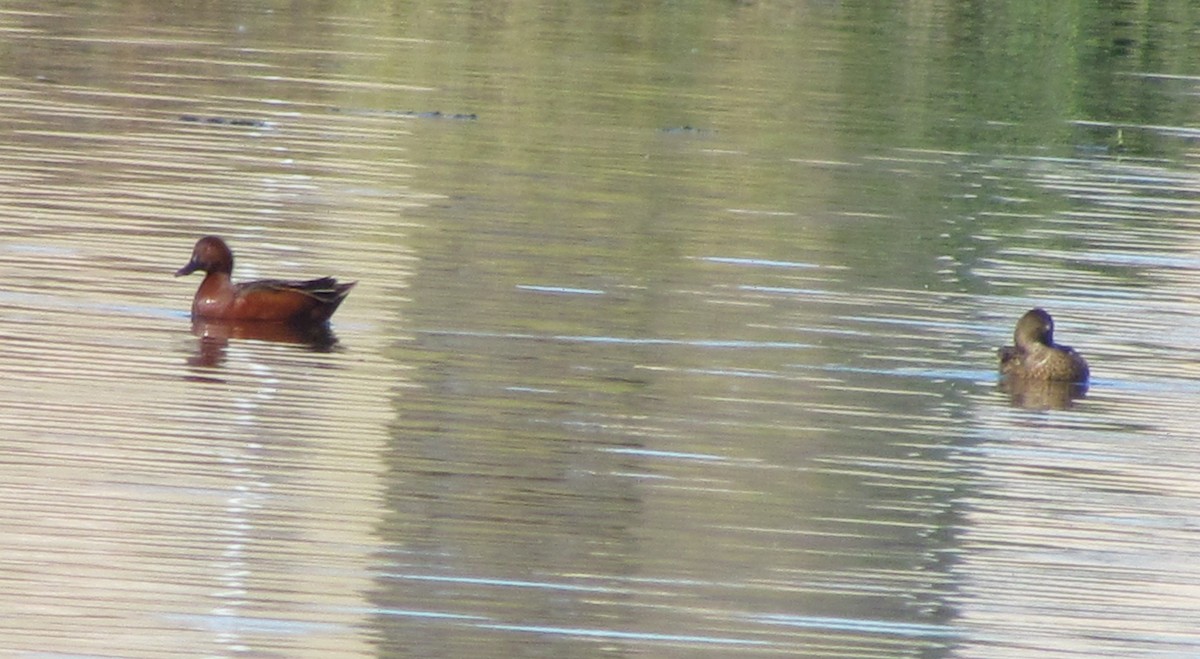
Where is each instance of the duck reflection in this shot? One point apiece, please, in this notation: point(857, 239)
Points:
point(214, 337)
point(1042, 394)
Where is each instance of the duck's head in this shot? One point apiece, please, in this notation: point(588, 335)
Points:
point(1036, 326)
point(211, 254)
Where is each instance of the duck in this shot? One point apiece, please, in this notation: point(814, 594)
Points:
point(1035, 356)
point(273, 300)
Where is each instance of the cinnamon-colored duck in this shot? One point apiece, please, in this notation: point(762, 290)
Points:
point(218, 298)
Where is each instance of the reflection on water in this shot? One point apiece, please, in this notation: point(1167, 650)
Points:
point(607, 385)
point(1042, 395)
point(214, 337)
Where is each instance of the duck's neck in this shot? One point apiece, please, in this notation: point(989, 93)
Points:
point(216, 293)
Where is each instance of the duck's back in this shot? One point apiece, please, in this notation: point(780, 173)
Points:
point(314, 300)
point(1057, 363)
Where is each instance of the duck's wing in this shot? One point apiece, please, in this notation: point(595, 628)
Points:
point(1010, 358)
point(325, 290)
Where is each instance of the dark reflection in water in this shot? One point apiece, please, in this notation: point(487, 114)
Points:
point(1035, 395)
point(214, 337)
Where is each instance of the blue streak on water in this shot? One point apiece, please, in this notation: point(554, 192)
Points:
point(735, 373)
point(665, 454)
point(761, 262)
point(411, 613)
point(42, 250)
point(531, 390)
point(859, 625)
point(480, 581)
point(643, 636)
point(560, 289)
point(915, 322)
point(250, 624)
point(574, 631)
point(640, 476)
point(786, 290)
point(975, 375)
point(49, 301)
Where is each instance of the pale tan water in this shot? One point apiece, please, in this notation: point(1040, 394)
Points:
point(674, 332)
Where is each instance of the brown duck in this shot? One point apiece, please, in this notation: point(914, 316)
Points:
point(218, 298)
point(1036, 356)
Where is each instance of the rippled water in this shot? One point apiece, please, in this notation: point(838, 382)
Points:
point(674, 333)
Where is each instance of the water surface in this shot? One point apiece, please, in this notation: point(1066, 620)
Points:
point(674, 334)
